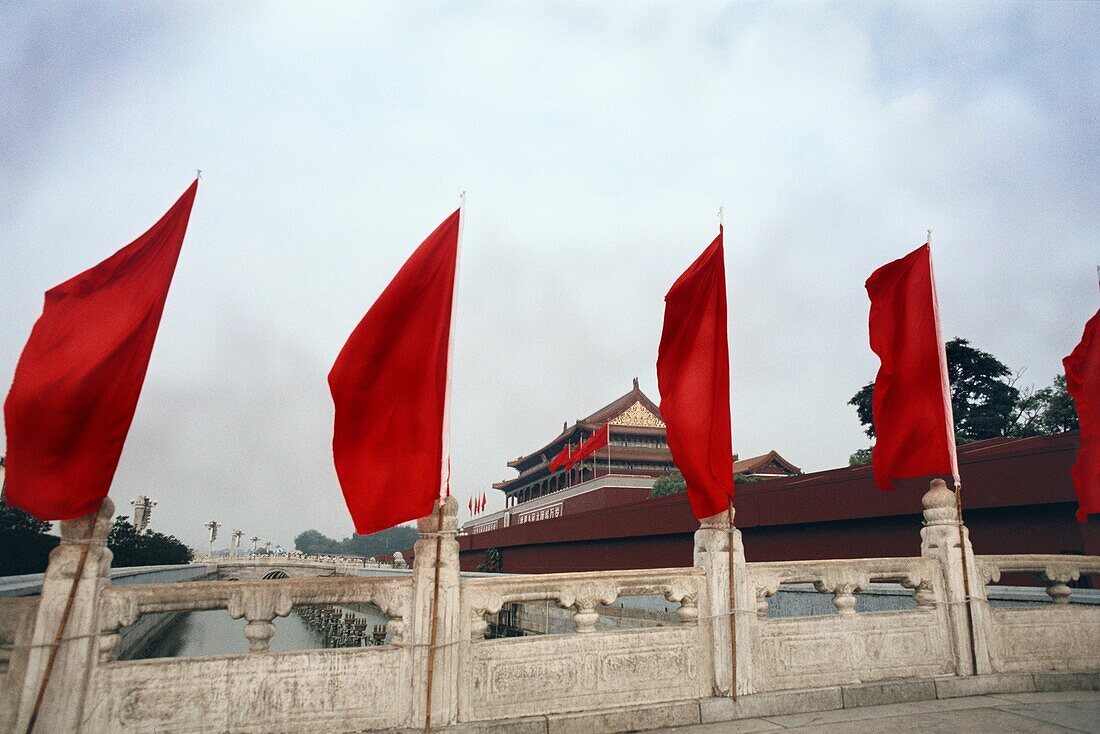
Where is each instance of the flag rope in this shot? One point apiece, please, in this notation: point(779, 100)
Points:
point(435, 623)
point(966, 574)
point(52, 657)
point(733, 606)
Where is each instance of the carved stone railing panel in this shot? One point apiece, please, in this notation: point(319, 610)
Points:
point(524, 676)
point(259, 602)
point(1058, 570)
point(582, 593)
point(844, 578)
point(1058, 636)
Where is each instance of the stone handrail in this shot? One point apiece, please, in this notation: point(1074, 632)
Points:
point(259, 602)
point(1058, 570)
point(583, 592)
point(844, 577)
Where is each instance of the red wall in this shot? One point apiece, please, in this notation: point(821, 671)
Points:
point(1017, 494)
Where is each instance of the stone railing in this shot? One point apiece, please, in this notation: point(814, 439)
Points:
point(1058, 636)
point(716, 655)
point(850, 647)
point(545, 674)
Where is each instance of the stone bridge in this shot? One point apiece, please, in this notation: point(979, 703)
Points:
point(720, 656)
point(281, 567)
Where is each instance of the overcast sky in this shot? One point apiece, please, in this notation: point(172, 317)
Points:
point(596, 143)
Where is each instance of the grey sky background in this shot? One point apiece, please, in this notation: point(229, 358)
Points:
point(596, 143)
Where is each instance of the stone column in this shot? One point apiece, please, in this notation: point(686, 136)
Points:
point(712, 552)
point(64, 699)
point(445, 667)
point(942, 538)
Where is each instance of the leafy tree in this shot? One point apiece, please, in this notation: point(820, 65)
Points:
point(375, 544)
point(1060, 414)
point(985, 401)
point(671, 484)
point(147, 549)
point(493, 563)
point(24, 542)
point(861, 457)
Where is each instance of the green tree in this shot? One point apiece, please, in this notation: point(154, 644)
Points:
point(492, 562)
point(25, 544)
point(985, 401)
point(671, 484)
point(983, 398)
point(861, 457)
point(147, 549)
point(1060, 414)
point(375, 544)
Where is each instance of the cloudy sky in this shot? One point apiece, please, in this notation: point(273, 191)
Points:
point(596, 143)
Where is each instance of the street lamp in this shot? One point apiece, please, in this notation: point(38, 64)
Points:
point(255, 539)
point(237, 535)
point(143, 512)
point(212, 526)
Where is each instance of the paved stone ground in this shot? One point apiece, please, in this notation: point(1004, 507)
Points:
point(1002, 713)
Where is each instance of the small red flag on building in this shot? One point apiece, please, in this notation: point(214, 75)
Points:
point(693, 376)
point(389, 386)
point(1083, 384)
point(470, 505)
point(914, 427)
point(77, 383)
point(596, 441)
point(561, 459)
point(484, 501)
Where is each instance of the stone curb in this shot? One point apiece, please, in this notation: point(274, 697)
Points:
point(777, 703)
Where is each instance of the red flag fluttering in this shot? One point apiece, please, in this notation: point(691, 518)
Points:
point(1083, 384)
point(596, 441)
point(914, 427)
point(693, 376)
point(389, 386)
point(561, 459)
point(470, 506)
point(78, 380)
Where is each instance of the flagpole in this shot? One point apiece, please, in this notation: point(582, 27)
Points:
point(51, 657)
point(733, 588)
point(953, 452)
point(444, 471)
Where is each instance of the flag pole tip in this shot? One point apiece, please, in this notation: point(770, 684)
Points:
point(198, 173)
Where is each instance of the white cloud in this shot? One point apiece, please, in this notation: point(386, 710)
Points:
point(596, 143)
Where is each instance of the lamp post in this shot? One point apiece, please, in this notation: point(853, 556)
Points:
point(237, 535)
point(255, 539)
point(212, 526)
point(143, 512)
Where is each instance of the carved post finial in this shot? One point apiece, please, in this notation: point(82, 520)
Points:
point(939, 504)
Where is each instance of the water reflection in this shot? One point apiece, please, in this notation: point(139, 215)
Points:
point(214, 632)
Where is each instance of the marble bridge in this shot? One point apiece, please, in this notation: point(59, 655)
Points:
point(718, 656)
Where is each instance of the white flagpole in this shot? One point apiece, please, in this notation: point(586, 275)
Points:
point(444, 473)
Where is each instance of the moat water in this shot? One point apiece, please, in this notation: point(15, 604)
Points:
point(196, 634)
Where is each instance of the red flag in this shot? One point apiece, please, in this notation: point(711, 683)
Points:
point(560, 459)
point(693, 375)
point(596, 441)
point(914, 427)
point(389, 386)
point(470, 505)
point(483, 502)
point(80, 375)
point(1083, 384)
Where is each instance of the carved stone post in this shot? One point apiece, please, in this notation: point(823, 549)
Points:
point(445, 665)
point(61, 711)
point(942, 538)
point(712, 553)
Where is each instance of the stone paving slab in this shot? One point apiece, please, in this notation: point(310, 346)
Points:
point(1075, 715)
point(1038, 713)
